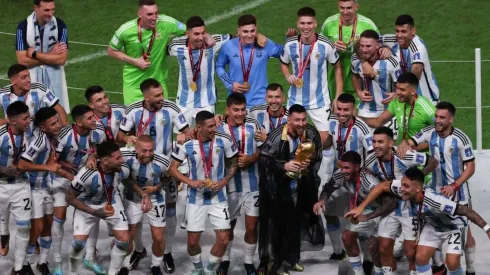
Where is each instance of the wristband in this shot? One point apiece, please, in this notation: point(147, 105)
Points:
point(486, 228)
point(455, 186)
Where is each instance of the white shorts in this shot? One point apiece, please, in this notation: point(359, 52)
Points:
point(249, 201)
point(16, 199)
point(196, 215)
point(338, 204)
point(58, 189)
point(83, 222)
point(42, 203)
point(320, 117)
point(389, 227)
point(455, 239)
point(156, 215)
point(367, 228)
point(172, 191)
point(392, 124)
point(190, 113)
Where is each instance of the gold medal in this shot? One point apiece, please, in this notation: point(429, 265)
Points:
point(247, 85)
point(299, 82)
point(208, 183)
point(193, 86)
point(108, 207)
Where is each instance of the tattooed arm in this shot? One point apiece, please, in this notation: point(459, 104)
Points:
point(463, 210)
point(231, 165)
point(387, 206)
point(432, 164)
point(72, 199)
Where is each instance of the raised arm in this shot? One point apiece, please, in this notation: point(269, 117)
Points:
point(384, 187)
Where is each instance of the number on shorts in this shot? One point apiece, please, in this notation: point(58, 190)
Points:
point(456, 240)
point(415, 223)
point(227, 217)
point(153, 132)
point(171, 187)
point(256, 201)
point(28, 204)
point(160, 213)
point(123, 216)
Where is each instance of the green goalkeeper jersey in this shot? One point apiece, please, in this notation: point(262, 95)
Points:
point(126, 39)
point(330, 29)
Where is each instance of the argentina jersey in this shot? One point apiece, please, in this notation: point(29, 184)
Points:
point(11, 148)
point(245, 179)
point(452, 152)
point(38, 97)
point(269, 123)
point(314, 92)
point(222, 147)
point(89, 185)
point(114, 118)
point(205, 94)
point(38, 151)
point(387, 72)
point(146, 174)
point(360, 139)
point(160, 127)
point(368, 182)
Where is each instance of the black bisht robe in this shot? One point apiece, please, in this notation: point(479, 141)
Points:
point(282, 223)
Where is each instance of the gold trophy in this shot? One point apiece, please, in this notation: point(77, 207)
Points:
point(304, 152)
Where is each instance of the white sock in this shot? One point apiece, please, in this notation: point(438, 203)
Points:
point(156, 260)
point(469, 255)
point(356, 265)
point(387, 270)
point(250, 253)
point(458, 271)
point(437, 258)
point(423, 269)
point(57, 232)
point(45, 246)
point(378, 270)
point(75, 255)
point(227, 255)
point(196, 261)
point(364, 245)
point(117, 258)
point(4, 224)
point(127, 260)
point(333, 231)
point(92, 243)
point(21, 239)
point(170, 229)
point(138, 238)
point(31, 248)
point(213, 262)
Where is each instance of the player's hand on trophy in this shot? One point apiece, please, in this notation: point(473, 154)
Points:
point(219, 185)
point(292, 166)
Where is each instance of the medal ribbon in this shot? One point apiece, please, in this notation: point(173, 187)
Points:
point(140, 38)
point(406, 120)
point(367, 81)
point(195, 68)
point(403, 64)
point(279, 119)
point(341, 143)
point(419, 214)
point(380, 162)
point(108, 189)
point(17, 150)
point(107, 129)
point(75, 136)
point(207, 163)
point(304, 63)
point(242, 141)
point(353, 200)
point(142, 127)
point(246, 72)
point(353, 35)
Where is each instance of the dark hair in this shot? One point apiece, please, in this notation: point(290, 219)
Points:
point(371, 34)
point(405, 19)
point(149, 83)
point(306, 11)
point(415, 174)
point(246, 19)
point(296, 108)
point(92, 90)
point(235, 99)
point(194, 21)
point(351, 157)
point(106, 148)
point(203, 116)
point(79, 111)
point(346, 98)
point(444, 105)
point(17, 108)
point(274, 87)
point(383, 130)
point(146, 3)
point(15, 69)
point(38, 2)
point(44, 114)
point(408, 77)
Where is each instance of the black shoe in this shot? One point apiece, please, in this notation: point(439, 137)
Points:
point(136, 258)
point(250, 268)
point(43, 268)
point(168, 263)
point(155, 270)
point(470, 273)
point(123, 271)
point(263, 268)
point(367, 266)
point(338, 257)
point(223, 268)
point(439, 270)
point(26, 270)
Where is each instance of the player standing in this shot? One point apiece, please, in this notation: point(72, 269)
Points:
point(212, 158)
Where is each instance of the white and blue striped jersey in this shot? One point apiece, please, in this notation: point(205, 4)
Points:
point(146, 174)
point(438, 211)
point(206, 94)
point(117, 114)
point(88, 185)
point(223, 147)
point(246, 179)
point(452, 152)
point(38, 152)
point(315, 93)
point(367, 182)
point(360, 139)
point(404, 208)
point(416, 53)
point(387, 72)
point(269, 123)
point(160, 127)
point(74, 148)
point(10, 153)
point(38, 97)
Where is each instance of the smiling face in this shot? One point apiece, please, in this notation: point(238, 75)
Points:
point(405, 92)
point(297, 123)
point(196, 36)
point(345, 111)
point(236, 113)
point(21, 122)
point(410, 189)
point(148, 15)
point(247, 33)
point(348, 10)
point(382, 144)
point(349, 170)
point(207, 129)
point(404, 35)
point(22, 81)
point(274, 99)
point(443, 120)
point(144, 151)
point(154, 98)
point(307, 25)
point(87, 121)
point(368, 47)
point(51, 126)
point(45, 11)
